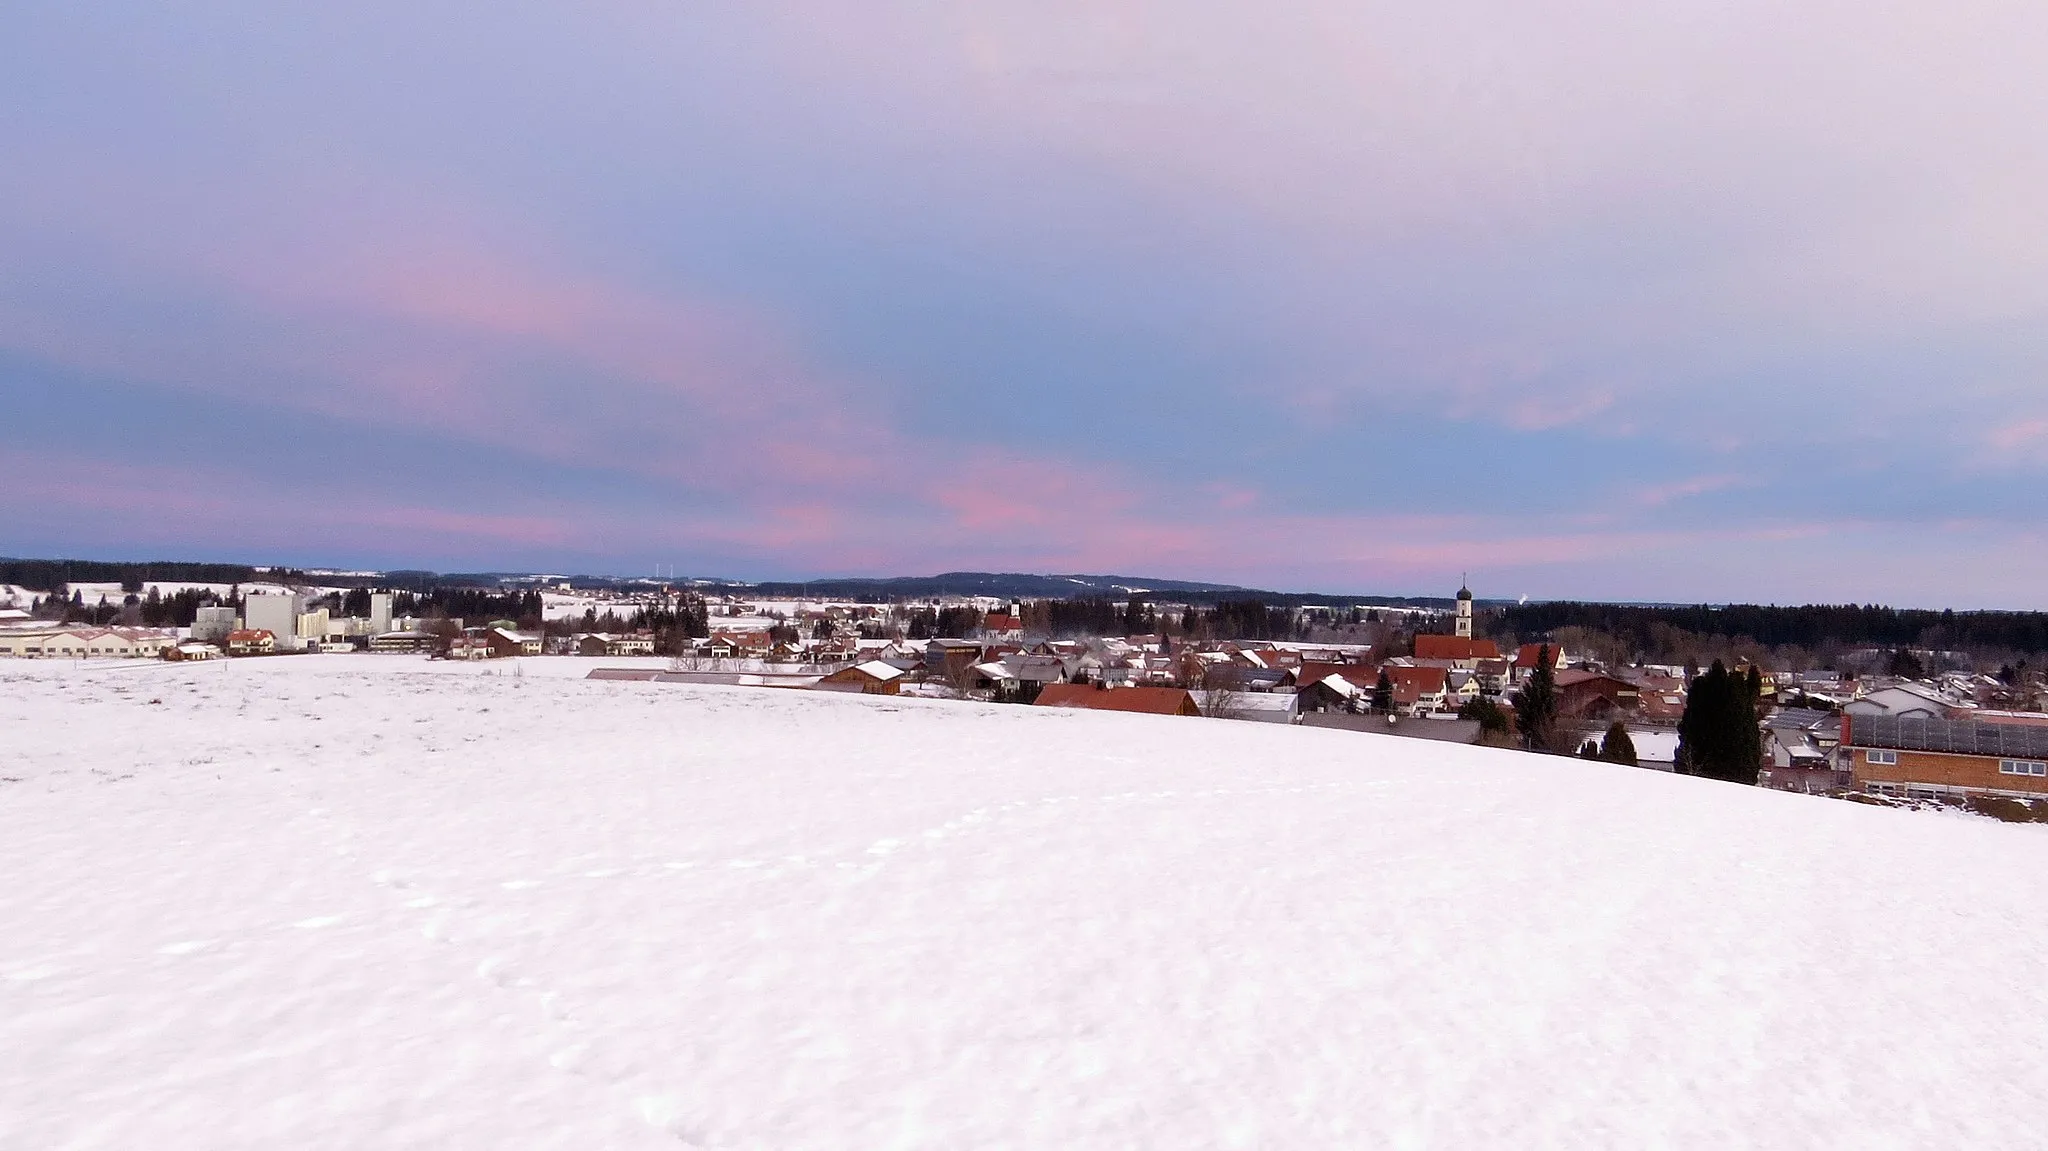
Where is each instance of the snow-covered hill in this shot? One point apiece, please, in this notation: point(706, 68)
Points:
point(351, 902)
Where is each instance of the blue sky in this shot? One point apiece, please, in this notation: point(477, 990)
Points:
point(1733, 301)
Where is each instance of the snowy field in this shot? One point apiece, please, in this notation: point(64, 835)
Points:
point(351, 902)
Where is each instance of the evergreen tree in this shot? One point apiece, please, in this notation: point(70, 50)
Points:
point(1589, 750)
point(1492, 720)
point(1617, 747)
point(1536, 705)
point(1383, 694)
point(1718, 736)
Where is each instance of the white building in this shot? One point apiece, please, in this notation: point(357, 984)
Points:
point(277, 614)
point(380, 612)
point(89, 643)
point(213, 623)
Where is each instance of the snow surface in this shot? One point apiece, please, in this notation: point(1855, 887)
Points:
point(356, 901)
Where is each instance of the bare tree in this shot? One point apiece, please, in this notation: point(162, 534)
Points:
point(1223, 693)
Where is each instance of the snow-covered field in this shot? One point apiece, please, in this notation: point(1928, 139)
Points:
point(112, 593)
point(360, 902)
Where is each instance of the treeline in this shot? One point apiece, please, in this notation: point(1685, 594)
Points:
point(178, 609)
point(1241, 619)
point(1098, 616)
point(1090, 616)
point(51, 575)
point(1812, 626)
point(472, 605)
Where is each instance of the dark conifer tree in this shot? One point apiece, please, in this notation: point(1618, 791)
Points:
point(1718, 736)
point(1536, 705)
point(1383, 694)
point(1617, 747)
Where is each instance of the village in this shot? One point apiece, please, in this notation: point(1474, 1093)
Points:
point(1950, 737)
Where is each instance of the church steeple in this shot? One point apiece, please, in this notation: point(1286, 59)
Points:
point(1464, 610)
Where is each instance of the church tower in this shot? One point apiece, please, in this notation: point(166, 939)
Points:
point(1465, 612)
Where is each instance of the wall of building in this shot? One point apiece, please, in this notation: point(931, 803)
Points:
point(276, 614)
point(1942, 769)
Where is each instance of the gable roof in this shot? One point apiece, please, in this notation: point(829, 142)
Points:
point(1525, 656)
point(1412, 683)
point(1356, 674)
point(1148, 700)
point(1455, 647)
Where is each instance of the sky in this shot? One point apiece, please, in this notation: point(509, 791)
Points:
point(1729, 301)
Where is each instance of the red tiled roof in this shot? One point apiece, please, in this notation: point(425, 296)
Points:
point(1455, 647)
point(1149, 700)
point(1525, 657)
point(1356, 674)
point(1412, 683)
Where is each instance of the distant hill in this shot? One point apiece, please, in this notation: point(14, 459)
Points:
point(1023, 585)
point(44, 574)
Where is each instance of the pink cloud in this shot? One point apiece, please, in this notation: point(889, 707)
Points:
point(175, 504)
point(1661, 494)
point(2018, 435)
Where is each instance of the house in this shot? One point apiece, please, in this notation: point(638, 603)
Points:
point(1660, 705)
point(874, 678)
point(192, 651)
point(991, 677)
point(471, 644)
point(1145, 700)
point(1527, 655)
point(1460, 650)
point(1921, 758)
point(1588, 695)
point(738, 645)
point(1309, 675)
point(1799, 752)
point(947, 658)
point(1460, 688)
point(251, 641)
point(1331, 693)
point(635, 643)
point(1902, 701)
point(504, 643)
point(1036, 669)
point(1417, 690)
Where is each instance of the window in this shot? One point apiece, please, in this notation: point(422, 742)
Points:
point(1885, 758)
point(2021, 767)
